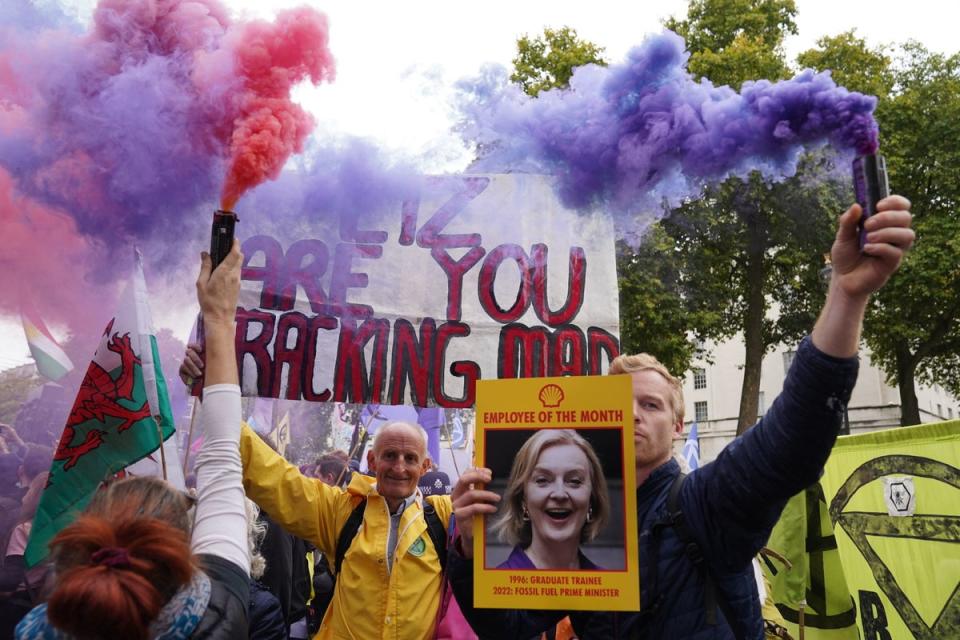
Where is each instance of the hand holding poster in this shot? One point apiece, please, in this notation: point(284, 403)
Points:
point(561, 453)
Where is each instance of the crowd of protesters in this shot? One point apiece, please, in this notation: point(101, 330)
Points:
point(266, 549)
point(290, 581)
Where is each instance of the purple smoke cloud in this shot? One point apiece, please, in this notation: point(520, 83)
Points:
point(643, 132)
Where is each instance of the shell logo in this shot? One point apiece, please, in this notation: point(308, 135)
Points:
point(551, 396)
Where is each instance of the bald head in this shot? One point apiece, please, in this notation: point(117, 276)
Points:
point(400, 428)
point(398, 459)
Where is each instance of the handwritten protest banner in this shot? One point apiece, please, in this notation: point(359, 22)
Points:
point(561, 452)
point(473, 277)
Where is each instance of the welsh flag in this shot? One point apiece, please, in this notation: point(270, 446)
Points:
point(121, 412)
point(52, 362)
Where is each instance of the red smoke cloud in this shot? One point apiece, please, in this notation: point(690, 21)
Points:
point(119, 132)
point(43, 258)
point(270, 59)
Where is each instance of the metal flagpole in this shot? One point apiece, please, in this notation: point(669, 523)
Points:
point(186, 449)
point(163, 454)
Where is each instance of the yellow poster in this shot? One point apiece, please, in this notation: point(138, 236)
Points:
point(894, 498)
point(564, 535)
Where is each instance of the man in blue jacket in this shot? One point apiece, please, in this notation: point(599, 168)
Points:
point(728, 507)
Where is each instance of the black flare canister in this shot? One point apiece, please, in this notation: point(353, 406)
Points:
point(221, 241)
point(870, 186)
point(221, 237)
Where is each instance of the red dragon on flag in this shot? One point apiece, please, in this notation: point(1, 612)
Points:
point(99, 397)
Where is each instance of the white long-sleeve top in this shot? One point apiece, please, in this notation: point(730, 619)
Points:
point(220, 525)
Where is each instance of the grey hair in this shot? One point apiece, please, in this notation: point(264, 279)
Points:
point(256, 532)
point(418, 428)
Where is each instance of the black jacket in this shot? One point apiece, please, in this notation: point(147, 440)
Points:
point(226, 614)
point(266, 618)
point(287, 575)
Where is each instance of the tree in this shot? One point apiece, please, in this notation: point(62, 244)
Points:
point(735, 40)
point(749, 244)
point(912, 325)
point(852, 64)
point(655, 315)
point(548, 61)
point(750, 247)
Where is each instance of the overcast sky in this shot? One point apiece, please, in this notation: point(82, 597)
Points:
point(397, 61)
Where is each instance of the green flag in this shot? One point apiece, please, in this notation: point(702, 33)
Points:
point(121, 410)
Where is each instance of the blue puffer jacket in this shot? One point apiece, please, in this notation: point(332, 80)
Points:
point(730, 506)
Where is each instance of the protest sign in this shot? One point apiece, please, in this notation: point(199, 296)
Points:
point(561, 452)
point(894, 497)
point(472, 277)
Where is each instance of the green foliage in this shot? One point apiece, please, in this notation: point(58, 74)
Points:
point(548, 61)
point(655, 315)
point(689, 278)
point(713, 25)
point(745, 59)
point(731, 41)
point(913, 325)
point(852, 63)
point(788, 226)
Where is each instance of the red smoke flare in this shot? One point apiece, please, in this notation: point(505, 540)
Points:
point(270, 59)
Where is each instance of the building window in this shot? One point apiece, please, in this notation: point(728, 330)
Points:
point(950, 413)
point(700, 411)
point(939, 410)
point(699, 348)
point(761, 405)
point(699, 378)
point(788, 357)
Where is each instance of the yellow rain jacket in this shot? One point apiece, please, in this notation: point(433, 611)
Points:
point(369, 601)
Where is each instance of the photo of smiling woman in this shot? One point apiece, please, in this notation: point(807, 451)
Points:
point(555, 501)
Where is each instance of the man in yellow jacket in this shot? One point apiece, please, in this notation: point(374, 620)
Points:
point(390, 578)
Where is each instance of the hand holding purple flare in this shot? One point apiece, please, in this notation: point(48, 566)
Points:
point(887, 238)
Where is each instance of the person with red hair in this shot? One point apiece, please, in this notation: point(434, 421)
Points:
point(131, 566)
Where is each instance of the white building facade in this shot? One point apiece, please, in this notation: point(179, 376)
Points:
point(712, 396)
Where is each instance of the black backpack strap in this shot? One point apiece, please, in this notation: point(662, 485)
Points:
point(347, 534)
point(437, 532)
point(712, 598)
